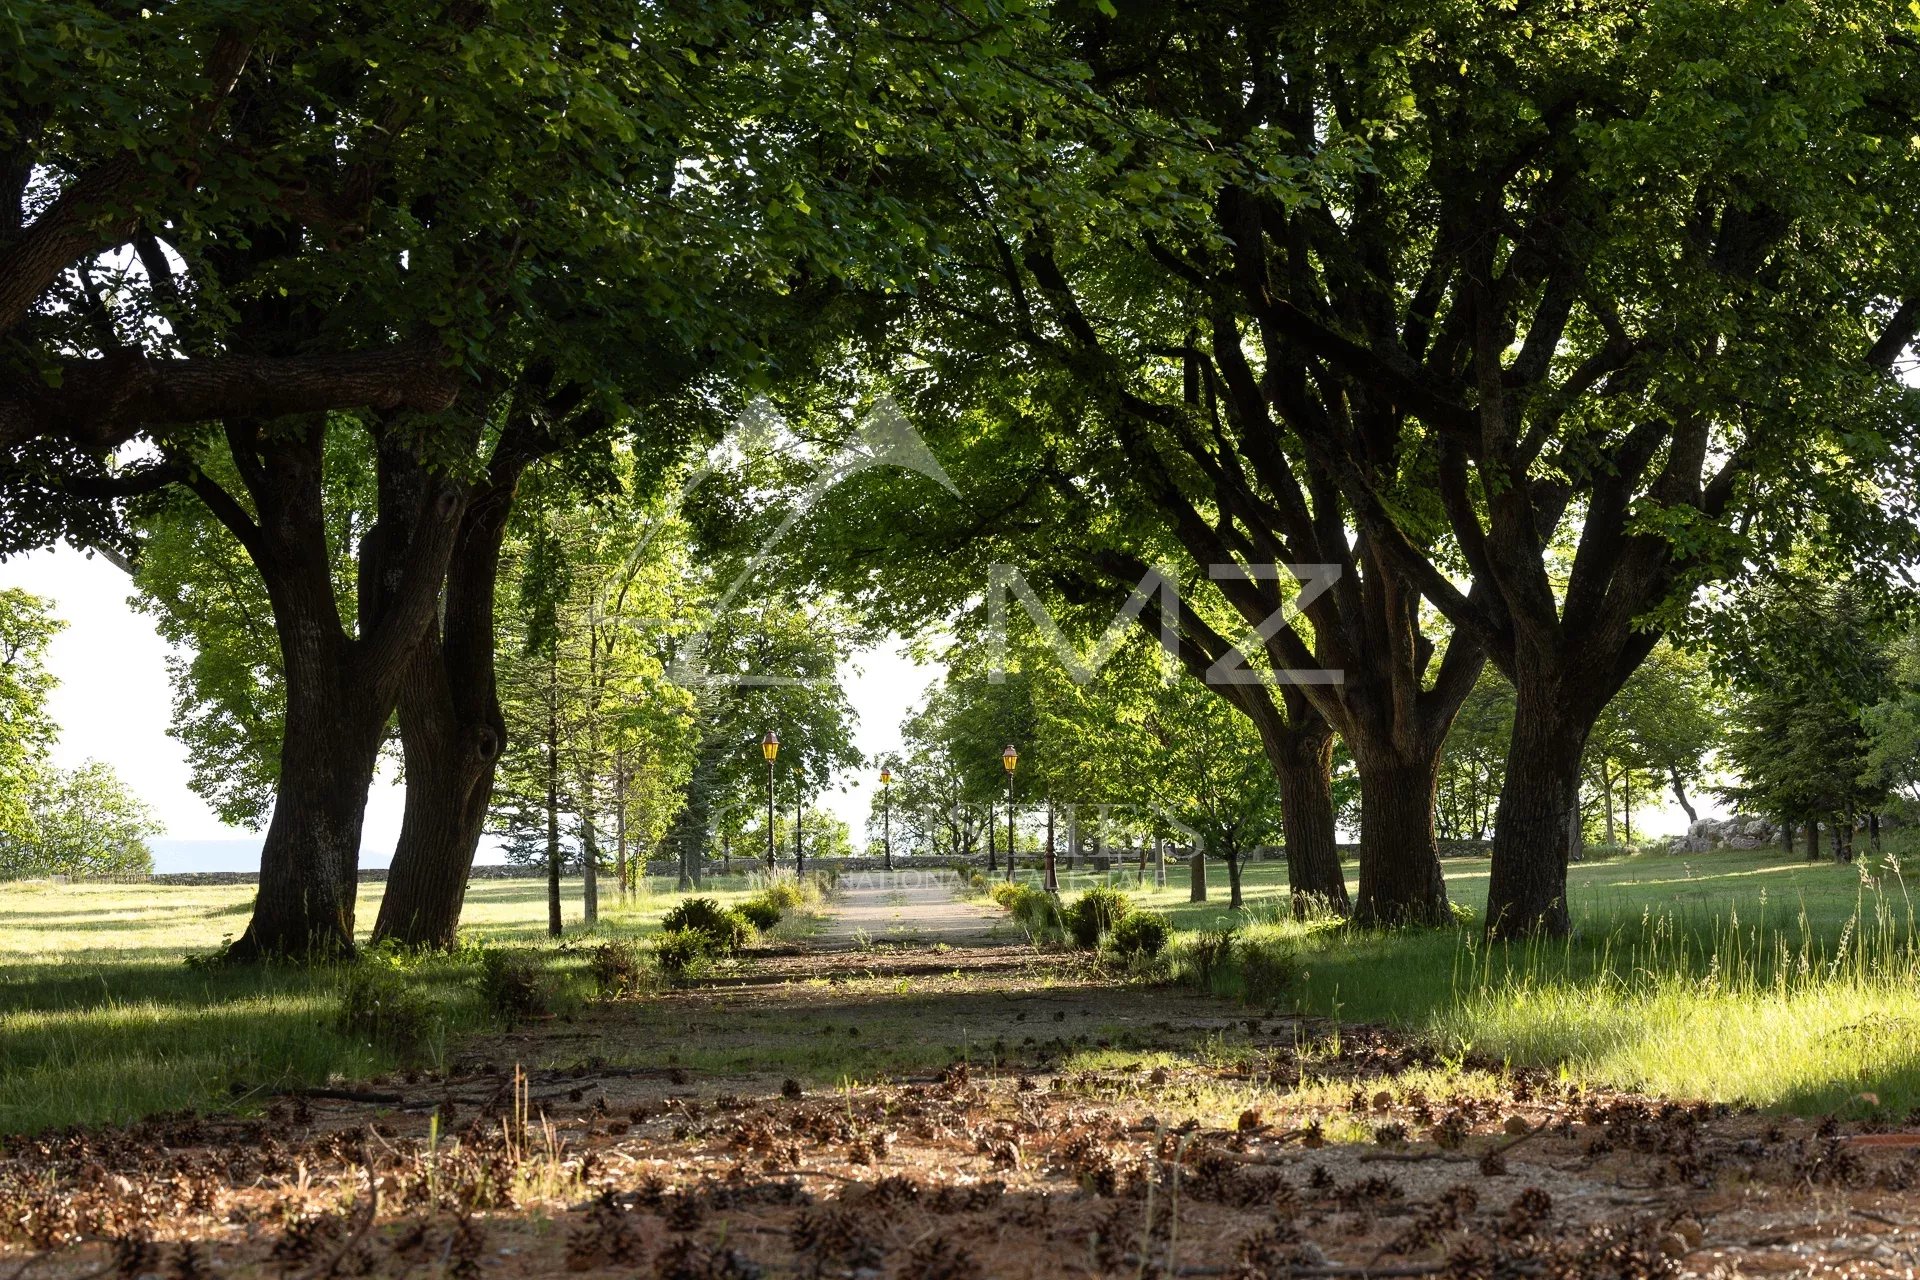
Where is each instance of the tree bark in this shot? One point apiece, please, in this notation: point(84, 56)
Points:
point(620, 869)
point(589, 870)
point(452, 732)
point(555, 923)
point(309, 862)
point(449, 770)
point(341, 689)
point(1680, 794)
point(1303, 761)
point(1400, 880)
point(1527, 888)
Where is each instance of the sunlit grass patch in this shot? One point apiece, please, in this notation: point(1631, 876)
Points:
point(102, 1020)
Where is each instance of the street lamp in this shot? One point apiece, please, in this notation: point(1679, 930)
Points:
point(770, 747)
point(1010, 757)
point(886, 814)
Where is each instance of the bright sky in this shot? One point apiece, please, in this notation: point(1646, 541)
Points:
point(114, 704)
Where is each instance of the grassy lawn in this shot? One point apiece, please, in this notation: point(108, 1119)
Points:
point(1748, 977)
point(102, 1020)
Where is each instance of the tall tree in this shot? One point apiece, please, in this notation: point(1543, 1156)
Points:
point(1477, 281)
point(82, 822)
point(1815, 661)
point(27, 627)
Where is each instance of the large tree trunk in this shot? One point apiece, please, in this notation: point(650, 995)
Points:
point(449, 766)
point(309, 862)
point(1527, 889)
point(1400, 880)
point(340, 690)
point(452, 733)
point(1303, 761)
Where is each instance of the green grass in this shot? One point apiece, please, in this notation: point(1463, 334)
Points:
point(1744, 977)
point(101, 1020)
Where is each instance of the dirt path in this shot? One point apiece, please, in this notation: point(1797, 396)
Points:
point(959, 1107)
point(908, 908)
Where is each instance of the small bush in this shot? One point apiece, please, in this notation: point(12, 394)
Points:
point(1094, 914)
point(1036, 910)
point(784, 895)
point(1141, 933)
point(1268, 970)
point(681, 952)
point(725, 930)
point(789, 892)
point(618, 967)
point(1005, 893)
point(510, 985)
point(760, 913)
point(378, 1006)
point(1210, 952)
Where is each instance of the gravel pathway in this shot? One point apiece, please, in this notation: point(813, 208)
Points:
point(908, 908)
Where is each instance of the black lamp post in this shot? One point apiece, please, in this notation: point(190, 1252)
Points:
point(886, 814)
point(799, 820)
point(770, 747)
point(1010, 757)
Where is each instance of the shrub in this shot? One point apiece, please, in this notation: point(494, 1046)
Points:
point(510, 985)
point(1005, 893)
point(789, 892)
point(618, 967)
point(784, 895)
point(1141, 933)
point(1268, 970)
point(380, 1007)
point(1039, 912)
point(725, 930)
point(760, 913)
point(680, 952)
point(1094, 914)
point(1210, 952)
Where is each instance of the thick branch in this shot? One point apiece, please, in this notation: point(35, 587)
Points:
point(99, 210)
point(101, 404)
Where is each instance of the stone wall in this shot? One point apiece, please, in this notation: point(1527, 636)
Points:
point(1742, 831)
